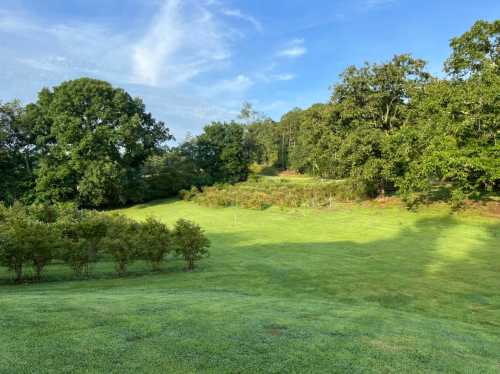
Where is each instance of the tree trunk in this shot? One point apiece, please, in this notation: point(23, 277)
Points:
point(18, 269)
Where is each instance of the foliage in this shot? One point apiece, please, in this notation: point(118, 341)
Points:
point(16, 154)
point(190, 241)
point(223, 152)
point(153, 242)
point(24, 240)
point(261, 194)
point(388, 128)
point(120, 242)
point(392, 127)
point(82, 235)
point(93, 140)
point(170, 172)
point(476, 50)
point(36, 235)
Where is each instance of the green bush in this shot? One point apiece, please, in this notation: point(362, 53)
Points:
point(36, 235)
point(190, 241)
point(120, 241)
point(262, 194)
point(154, 242)
point(82, 235)
point(458, 198)
point(189, 194)
point(24, 241)
point(14, 251)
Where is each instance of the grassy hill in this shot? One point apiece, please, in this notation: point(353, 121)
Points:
point(354, 289)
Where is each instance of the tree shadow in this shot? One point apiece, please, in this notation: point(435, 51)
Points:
point(416, 270)
point(153, 203)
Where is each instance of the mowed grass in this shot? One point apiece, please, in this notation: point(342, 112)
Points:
point(354, 289)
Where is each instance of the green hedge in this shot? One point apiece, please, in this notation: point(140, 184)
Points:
point(35, 236)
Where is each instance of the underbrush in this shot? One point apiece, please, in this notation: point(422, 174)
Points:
point(261, 193)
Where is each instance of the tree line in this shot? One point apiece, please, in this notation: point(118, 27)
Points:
point(388, 127)
point(87, 142)
point(392, 126)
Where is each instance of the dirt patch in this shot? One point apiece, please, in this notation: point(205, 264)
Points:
point(276, 330)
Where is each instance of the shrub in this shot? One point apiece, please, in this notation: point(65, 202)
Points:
point(190, 241)
point(189, 194)
point(36, 235)
point(262, 194)
point(14, 253)
point(120, 241)
point(82, 235)
point(43, 241)
point(24, 240)
point(458, 198)
point(153, 242)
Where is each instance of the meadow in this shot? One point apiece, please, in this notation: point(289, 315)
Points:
point(349, 289)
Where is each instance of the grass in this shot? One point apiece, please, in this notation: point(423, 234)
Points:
point(356, 289)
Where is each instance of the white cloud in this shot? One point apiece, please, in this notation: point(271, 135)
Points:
point(238, 84)
point(179, 45)
point(292, 49)
point(64, 50)
point(236, 13)
point(183, 41)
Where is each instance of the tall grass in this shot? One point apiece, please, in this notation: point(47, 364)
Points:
point(262, 193)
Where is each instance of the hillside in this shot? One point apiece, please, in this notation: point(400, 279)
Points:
point(358, 290)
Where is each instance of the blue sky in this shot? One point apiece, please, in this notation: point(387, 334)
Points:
point(197, 61)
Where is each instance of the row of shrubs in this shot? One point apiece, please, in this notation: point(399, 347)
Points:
point(260, 194)
point(34, 236)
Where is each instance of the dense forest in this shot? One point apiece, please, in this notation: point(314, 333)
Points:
point(389, 127)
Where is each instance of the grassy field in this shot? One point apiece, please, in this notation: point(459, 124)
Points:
point(353, 289)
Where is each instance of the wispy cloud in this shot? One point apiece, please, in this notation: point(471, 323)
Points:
point(236, 13)
point(268, 77)
point(180, 61)
point(294, 48)
point(179, 45)
point(64, 49)
point(237, 84)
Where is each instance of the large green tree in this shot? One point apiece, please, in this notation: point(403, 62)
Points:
point(94, 140)
point(377, 95)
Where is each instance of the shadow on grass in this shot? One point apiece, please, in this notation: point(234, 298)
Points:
point(154, 203)
point(410, 271)
point(103, 270)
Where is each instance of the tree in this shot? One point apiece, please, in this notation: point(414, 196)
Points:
point(24, 240)
point(171, 171)
point(459, 122)
point(16, 153)
point(190, 241)
point(153, 242)
point(94, 140)
point(377, 95)
point(120, 241)
point(14, 253)
point(222, 151)
point(476, 50)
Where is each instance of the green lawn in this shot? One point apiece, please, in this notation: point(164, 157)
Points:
point(352, 290)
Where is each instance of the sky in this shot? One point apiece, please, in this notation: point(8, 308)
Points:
point(197, 61)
